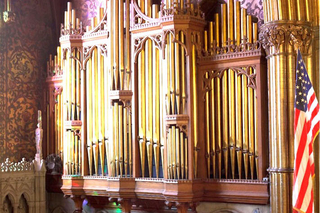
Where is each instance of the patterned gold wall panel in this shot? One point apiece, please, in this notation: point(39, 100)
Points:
point(25, 45)
point(86, 9)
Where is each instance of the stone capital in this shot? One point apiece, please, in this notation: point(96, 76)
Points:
point(297, 34)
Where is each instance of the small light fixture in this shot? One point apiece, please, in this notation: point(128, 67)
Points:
point(8, 15)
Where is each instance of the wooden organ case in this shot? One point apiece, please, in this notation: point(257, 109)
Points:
point(153, 102)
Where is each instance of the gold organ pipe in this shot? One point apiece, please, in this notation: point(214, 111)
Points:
point(206, 40)
point(169, 153)
point(224, 24)
point(182, 166)
point(89, 110)
point(66, 25)
point(120, 123)
point(106, 109)
point(78, 88)
point(125, 140)
point(213, 126)
point(156, 100)
point(116, 44)
point(256, 152)
point(69, 9)
point(183, 69)
point(217, 29)
point(239, 126)
point(251, 128)
point(116, 135)
point(207, 115)
point(111, 61)
point(76, 163)
point(168, 74)
point(173, 152)
point(95, 106)
point(219, 124)
point(195, 109)
point(172, 75)
point(55, 128)
point(245, 124)
point(177, 144)
point(71, 85)
point(128, 55)
point(101, 108)
point(130, 144)
point(73, 22)
point(149, 155)
point(210, 35)
point(231, 107)
point(249, 28)
point(121, 43)
point(149, 107)
point(255, 32)
point(231, 21)
point(186, 157)
point(244, 24)
point(225, 134)
point(177, 74)
point(238, 23)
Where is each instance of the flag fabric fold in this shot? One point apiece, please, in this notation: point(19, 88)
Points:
point(306, 128)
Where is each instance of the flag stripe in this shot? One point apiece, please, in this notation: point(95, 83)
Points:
point(306, 128)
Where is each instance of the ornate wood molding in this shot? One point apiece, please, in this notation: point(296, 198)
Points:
point(297, 34)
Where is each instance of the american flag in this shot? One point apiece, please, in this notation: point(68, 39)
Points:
point(306, 128)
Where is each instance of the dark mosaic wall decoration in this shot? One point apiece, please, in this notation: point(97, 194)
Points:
point(24, 49)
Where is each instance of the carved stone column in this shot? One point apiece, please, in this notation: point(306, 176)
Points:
point(281, 40)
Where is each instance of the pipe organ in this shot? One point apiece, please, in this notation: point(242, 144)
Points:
point(152, 101)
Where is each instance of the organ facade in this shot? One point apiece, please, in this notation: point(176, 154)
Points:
point(157, 101)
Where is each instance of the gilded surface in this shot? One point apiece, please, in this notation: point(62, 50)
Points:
point(23, 50)
point(254, 8)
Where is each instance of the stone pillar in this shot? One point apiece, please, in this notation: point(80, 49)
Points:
point(284, 32)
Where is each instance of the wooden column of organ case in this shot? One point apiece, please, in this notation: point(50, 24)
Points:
point(153, 102)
